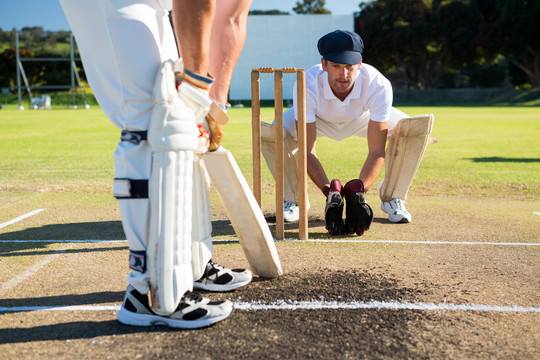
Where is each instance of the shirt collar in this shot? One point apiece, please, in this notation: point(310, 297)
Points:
point(355, 93)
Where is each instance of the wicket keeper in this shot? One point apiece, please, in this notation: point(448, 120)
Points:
point(346, 97)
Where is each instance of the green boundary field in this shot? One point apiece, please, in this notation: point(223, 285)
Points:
point(491, 151)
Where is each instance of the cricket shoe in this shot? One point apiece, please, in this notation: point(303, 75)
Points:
point(218, 278)
point(291, 211)
point(193, 312)
point(396, 211)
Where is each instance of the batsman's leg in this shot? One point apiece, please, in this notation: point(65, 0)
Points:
point(122, 74)
point(173, 135)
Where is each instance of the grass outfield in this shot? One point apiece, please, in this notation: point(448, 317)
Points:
point(481, 151)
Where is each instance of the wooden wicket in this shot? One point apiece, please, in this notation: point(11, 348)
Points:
point(279, 152)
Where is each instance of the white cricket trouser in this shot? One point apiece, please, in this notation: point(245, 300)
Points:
point(341, 131)
point(335, 131)
point(122, 44)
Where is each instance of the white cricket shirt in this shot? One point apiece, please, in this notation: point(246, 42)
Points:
point(370, 98)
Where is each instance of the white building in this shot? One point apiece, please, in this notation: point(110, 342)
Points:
point(281, 41)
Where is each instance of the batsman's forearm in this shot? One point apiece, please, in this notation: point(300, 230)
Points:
point(192, 24)
point(227, 40)
point(371, 169)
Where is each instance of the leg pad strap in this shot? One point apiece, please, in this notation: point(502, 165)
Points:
point(137, 260)
point(130, 189)
point(134, 137)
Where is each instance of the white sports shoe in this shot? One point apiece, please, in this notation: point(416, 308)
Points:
point(193, 312)
point(219, 278)
point(291, 211)
point(396, 211)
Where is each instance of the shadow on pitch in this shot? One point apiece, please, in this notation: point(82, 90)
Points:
point(502, 159)
point(98, 230)
point(112, 230)
point(23, 252)
point(75, 330)
point(103, 297)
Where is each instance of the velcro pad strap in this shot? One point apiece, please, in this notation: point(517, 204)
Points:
point(134, 137)
point(137, 260)
point(130, 189)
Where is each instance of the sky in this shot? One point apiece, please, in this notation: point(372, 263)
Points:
point(48, 13)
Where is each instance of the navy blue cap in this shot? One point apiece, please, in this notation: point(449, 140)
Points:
point(342, 47)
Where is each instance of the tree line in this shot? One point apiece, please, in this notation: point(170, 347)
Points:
point(416, 43)
point(453, 43)
point(34, 42)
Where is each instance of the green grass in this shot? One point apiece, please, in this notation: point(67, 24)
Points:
point(481, 151)
point(56, 150)
point(491, 151)
point(468, 97)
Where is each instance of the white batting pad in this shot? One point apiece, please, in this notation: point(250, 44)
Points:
point(201, 247)
point(169, 239)
point(244, 212)
point(172, 134)
point(173, 125)
point(404, 153)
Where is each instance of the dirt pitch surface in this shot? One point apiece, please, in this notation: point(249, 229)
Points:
point(462, 281)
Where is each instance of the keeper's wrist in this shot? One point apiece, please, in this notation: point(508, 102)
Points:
point(326, 190)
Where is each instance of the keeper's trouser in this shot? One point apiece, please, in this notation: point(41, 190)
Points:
point(334, 131)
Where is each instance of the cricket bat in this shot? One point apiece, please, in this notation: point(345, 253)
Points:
point(244, 213)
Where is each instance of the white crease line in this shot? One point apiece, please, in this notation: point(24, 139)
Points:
point(61, 308)
point(30, 271)
point(393, 242)
point(423, 242)
point(313, 305)
point(234, 241)
point(391, 305)
point(22, 217)
point(536, 213)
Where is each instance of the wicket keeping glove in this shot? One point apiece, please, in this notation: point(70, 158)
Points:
point(333, 212)
point(359, 213)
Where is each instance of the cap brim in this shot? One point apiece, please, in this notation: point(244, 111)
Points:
point(344, 57)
